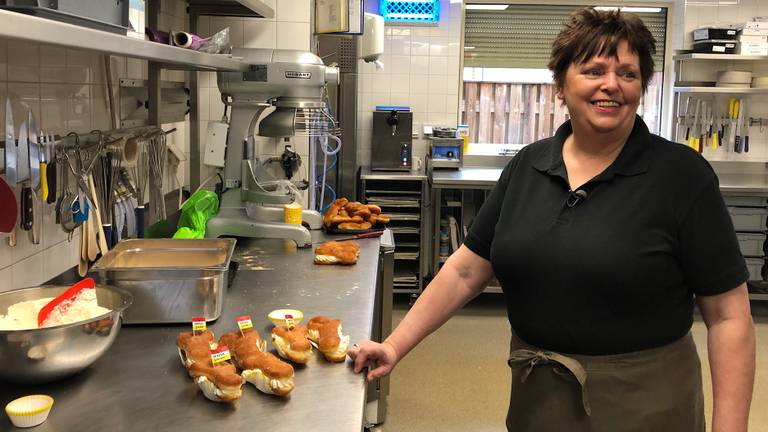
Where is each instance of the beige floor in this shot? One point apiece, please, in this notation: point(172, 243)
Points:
point(457, 379)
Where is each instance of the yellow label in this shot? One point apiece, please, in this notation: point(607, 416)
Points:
point(244, 322)
point(198, 324)
point(292, 213)
point(220, 354)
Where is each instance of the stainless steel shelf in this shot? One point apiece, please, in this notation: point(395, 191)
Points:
point(19, 26)
point(702, 56)
point(727, 90)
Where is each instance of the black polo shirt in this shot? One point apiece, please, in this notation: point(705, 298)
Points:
point(616, 271)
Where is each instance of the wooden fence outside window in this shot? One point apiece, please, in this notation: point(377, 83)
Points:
point(509, 113)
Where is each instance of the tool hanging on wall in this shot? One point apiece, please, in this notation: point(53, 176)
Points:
point(738, 146)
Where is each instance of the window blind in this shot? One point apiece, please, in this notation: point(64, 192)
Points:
point(521, 36)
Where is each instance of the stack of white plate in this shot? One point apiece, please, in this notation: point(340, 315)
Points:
point(760, 82)
point(734, 79)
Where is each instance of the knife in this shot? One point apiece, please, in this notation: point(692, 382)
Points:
point(10, 146)
point(26, 191)
point(34, 175)
point(22, 156)
point(371, 234)
point(34, 153)
point(738, 146)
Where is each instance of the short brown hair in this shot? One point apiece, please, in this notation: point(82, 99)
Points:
point(591, 32)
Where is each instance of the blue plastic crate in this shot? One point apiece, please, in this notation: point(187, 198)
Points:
point(410, 11)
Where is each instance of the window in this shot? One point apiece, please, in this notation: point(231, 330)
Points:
point(508, 94)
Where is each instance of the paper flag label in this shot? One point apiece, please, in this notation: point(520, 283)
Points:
point(220, 354)
point(244, 322)
point(198, 324)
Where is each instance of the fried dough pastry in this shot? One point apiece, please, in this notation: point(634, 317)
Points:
point(262, 369)
point(353, 215)
point(333, 210)
point(333, 252)
point(328, 336)
point(219, 382)
point(292, 343)
point(355, 226)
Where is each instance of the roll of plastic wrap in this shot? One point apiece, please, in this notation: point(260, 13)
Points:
point(739, 77)
point(158, 36)
point(186, 40)
point(292, 213)
point(760, 82)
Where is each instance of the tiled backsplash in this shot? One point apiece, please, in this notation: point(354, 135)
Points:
point(421, 70)
point(66, 91)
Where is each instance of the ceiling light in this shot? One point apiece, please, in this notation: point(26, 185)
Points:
point(487, 6)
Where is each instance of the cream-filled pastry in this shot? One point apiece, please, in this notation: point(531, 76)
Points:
point(329, 338)
point(292, 343)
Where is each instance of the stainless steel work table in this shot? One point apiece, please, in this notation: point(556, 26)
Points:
point(140, 384)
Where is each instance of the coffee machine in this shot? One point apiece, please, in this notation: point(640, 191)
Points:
point(391, 149)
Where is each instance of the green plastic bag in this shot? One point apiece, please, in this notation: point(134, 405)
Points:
point(200, 207)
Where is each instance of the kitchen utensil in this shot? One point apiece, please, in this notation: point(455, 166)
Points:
point(64, 299)
point(11, 157)
point(44, 168)
point(102, 237)
point(90, 228)
point(8, 209)
point(372, 234)
point(34, 153)
point(27, 209)
point(51, 179)
point(46, 354)
point(738, 146)
point(171, 279)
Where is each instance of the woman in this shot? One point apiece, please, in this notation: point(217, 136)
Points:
point(602, 237)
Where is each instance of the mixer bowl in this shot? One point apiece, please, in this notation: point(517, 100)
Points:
point(47, 354)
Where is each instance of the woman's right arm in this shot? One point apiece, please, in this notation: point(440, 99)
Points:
point(463, 276)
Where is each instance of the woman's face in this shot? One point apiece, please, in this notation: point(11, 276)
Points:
point(603, 93)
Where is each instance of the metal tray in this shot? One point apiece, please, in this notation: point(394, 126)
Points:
point(172, 280)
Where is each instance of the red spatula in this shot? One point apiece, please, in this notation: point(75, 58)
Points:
point(9, 211)
point(69, 294)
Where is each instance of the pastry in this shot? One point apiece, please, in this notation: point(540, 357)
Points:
point(219, 382)
point(334, 252)
point(326, 333)
point(292, 343)
point(333, 210)
point(260, 368)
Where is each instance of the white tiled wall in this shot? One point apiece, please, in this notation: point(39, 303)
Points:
point(65, 90)
point(290, 29)
point(421, 70)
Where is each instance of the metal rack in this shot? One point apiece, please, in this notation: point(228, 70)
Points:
point(405, 198)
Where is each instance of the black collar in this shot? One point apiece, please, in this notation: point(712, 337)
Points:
point(632, 160)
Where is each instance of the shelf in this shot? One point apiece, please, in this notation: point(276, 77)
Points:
point(33, 29)
point(725, 90)
point(703, 56)
point(240, 8)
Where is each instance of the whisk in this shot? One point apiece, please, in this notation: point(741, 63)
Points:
point(140, 174)
point(157, 152)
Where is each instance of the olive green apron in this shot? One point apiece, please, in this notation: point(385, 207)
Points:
point(651, 390)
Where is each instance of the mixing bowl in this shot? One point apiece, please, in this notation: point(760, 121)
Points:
point(46, 354)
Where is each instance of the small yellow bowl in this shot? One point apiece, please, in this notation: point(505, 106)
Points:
point(277, 316)
point(29, 411)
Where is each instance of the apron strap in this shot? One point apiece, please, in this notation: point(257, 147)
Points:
point(526, 359)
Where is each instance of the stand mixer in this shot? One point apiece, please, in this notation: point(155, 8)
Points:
point(294, 83)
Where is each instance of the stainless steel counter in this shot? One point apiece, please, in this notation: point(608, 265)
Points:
point(485, 178)
point(367, 174)
point(466, 178)
point(140, 384)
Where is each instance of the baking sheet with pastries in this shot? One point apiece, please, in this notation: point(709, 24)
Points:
point(349, 217)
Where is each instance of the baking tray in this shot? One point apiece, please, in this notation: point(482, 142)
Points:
point(353, 231)
point(172, 280)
